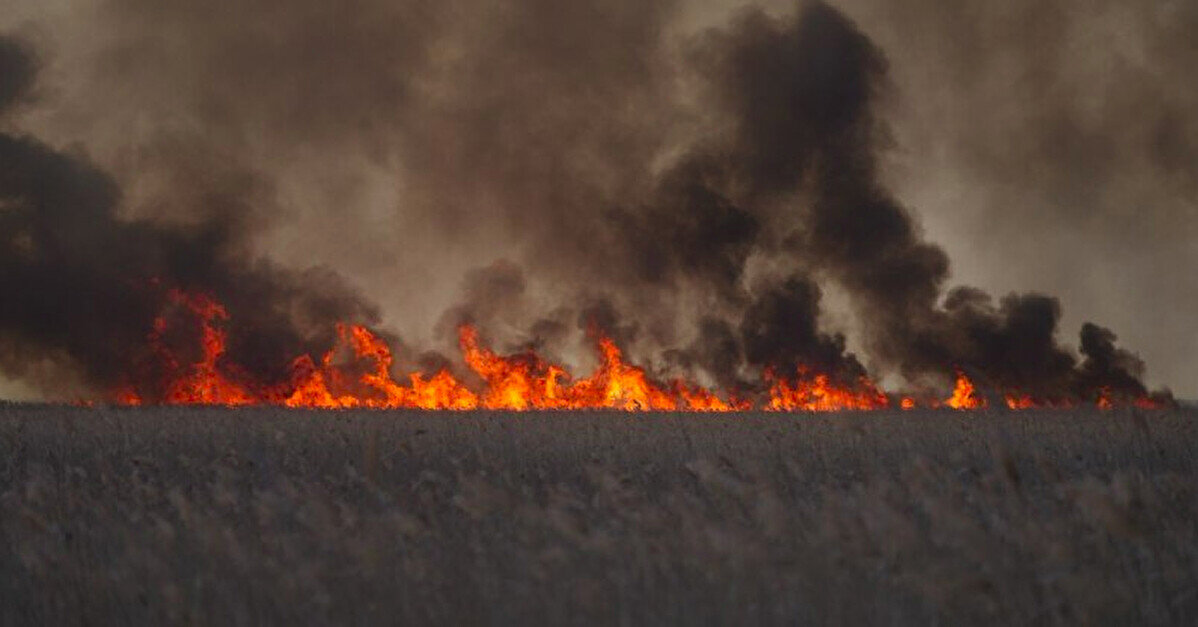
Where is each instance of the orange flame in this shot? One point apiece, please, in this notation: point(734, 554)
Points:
point(126, 395)
point(964, 395)
point(1150, 403)
point(203, 383)
point(816, 393)
point(703, 400)
point(521, 382)
point(357, 372)
point(525, 381)
point(374, 388)
point(1020, 401)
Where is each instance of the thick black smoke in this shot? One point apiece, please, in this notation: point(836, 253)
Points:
point(83, 287)
point(804, 94)
point(17, 71)
point(1107, 367)
point(779, 330)
point(695, 197)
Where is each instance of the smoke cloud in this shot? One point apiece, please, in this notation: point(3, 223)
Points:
point(1039, 143)
point(85, 286)
point(538, 169)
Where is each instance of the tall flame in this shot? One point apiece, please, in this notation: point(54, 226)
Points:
point(965, 395)
point(204, 382)
point(374, 388)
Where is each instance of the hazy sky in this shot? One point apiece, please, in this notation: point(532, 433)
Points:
point(1047, 147)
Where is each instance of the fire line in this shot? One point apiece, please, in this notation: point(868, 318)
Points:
point(357, 373)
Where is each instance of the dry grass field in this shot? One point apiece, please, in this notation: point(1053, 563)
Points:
point(233, 517)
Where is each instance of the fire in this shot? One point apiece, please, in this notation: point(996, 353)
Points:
point(311, 389)
point(619, 385)
point(374, 388)
point(126, 395)
point(525, 381)
point(964, 395)
point(817, 393)
point(1108, 400)
point(1017, 401)
point(203, 383)
point(442, 391)
point(1149, 403)
point(357, 372)
point(703, 400)
point(520, 382)
point(1020, 401)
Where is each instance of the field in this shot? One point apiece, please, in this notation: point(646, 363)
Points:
point(218, 516)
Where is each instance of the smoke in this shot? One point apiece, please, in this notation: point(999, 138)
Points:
point(17, 71)
point(1108, 367)
point(1040, 143)
point(84, 287)
point(779, 331)
point(805, 92)
point(692, 195)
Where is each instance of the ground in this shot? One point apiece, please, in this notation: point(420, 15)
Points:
point(218, 516)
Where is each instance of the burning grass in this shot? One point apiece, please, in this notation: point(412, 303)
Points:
point(220, 516)
point(358, 372)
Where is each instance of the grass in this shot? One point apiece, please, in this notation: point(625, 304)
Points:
point(217, 516)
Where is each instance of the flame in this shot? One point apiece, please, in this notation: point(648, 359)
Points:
point(311, 388)
point(442, 391)
point(357, 372)
point(1150, 403)
point(525, 381)
point(619, 385)
point(816, 393)
point(703, 400)
point(964, 395)
point(375, 388)
point(520, 382)
point(1107, 400)
point(203, 383)
point(1020, 401)
point(126, 395)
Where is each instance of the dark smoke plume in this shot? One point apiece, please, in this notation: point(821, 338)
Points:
point(84, 287)
point(1042, 141)
point(804, 95)
point(17, 71)
point(779, 331)
point(694, 196)
point(1107, 367)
